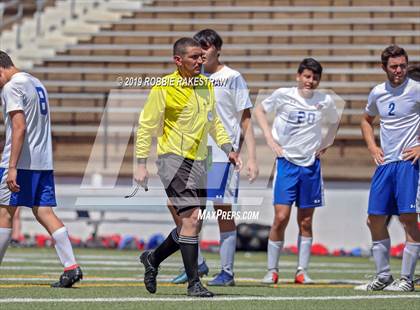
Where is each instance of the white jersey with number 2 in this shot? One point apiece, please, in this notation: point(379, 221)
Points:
point(399, 111)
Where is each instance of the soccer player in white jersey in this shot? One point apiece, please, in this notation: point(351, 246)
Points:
point(26, 168)
point(394, 185)
point(295, 138)
point(234, 109)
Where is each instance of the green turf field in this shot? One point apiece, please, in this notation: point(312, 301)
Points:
point(113, 280)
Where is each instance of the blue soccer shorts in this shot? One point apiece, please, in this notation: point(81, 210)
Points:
point(393, 189)
point(298, 184)
point(36, 189)
point(222, 183)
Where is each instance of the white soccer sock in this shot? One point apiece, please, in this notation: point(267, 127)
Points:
point(63, 247)
point(227, 250)
point(304, 246)
point(5, 236)
point(273, 253)
point(380, 252)
point(200, 258)
point(409, 259)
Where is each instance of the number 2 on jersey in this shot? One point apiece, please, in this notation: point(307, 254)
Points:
point(42, 100)
point(391, 111)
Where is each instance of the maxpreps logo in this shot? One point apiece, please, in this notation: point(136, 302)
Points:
point(228, 215)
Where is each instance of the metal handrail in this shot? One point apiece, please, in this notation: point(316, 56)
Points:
point(40, 5)
point(5, 5)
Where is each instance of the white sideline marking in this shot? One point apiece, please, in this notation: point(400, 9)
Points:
point(168, 279)
point(166, 269)
point(103, 259)
point(133, 262)
point(84, 280)
point(214, 299)
point(177, 265)
point(282, 281)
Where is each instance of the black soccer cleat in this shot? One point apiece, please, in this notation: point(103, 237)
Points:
point(150, 272)
point(198, 290)
point(69, 278)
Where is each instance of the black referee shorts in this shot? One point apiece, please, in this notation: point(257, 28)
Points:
point(185, 181)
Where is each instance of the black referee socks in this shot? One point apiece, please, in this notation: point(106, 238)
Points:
point(166, 248)
point(189, 251)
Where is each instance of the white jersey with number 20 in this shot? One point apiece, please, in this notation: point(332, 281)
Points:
point(298, 121)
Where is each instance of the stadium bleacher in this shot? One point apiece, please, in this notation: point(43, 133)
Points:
point(264, 40)
point(9, 13)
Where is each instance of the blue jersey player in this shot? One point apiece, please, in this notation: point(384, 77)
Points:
point(26, 167)
point(394, 185)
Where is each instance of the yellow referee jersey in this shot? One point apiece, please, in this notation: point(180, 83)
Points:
point(181, 112)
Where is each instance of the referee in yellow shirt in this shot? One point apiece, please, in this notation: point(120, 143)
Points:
point(181, 111)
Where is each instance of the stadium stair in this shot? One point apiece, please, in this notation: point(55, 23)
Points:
point(60, 26)
point(264, 40)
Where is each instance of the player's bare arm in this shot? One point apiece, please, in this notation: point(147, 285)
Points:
point(18, 136)
point(247, 135)
point(332, 117)
point(262, 121)
point(367, 131)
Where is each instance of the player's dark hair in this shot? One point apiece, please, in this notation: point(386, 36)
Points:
point(181, 44)
point(5, 60)
point(209, 37)
point(414, 72)
point(310, 64)
point(392, 51)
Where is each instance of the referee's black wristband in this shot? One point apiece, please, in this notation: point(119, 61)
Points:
point(227, 148)
point(141, 161)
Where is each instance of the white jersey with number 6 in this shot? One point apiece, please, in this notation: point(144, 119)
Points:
point(26, 93)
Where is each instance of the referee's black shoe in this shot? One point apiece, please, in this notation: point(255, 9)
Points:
point(69, 278)
point(150, 272)
point(198, 290)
